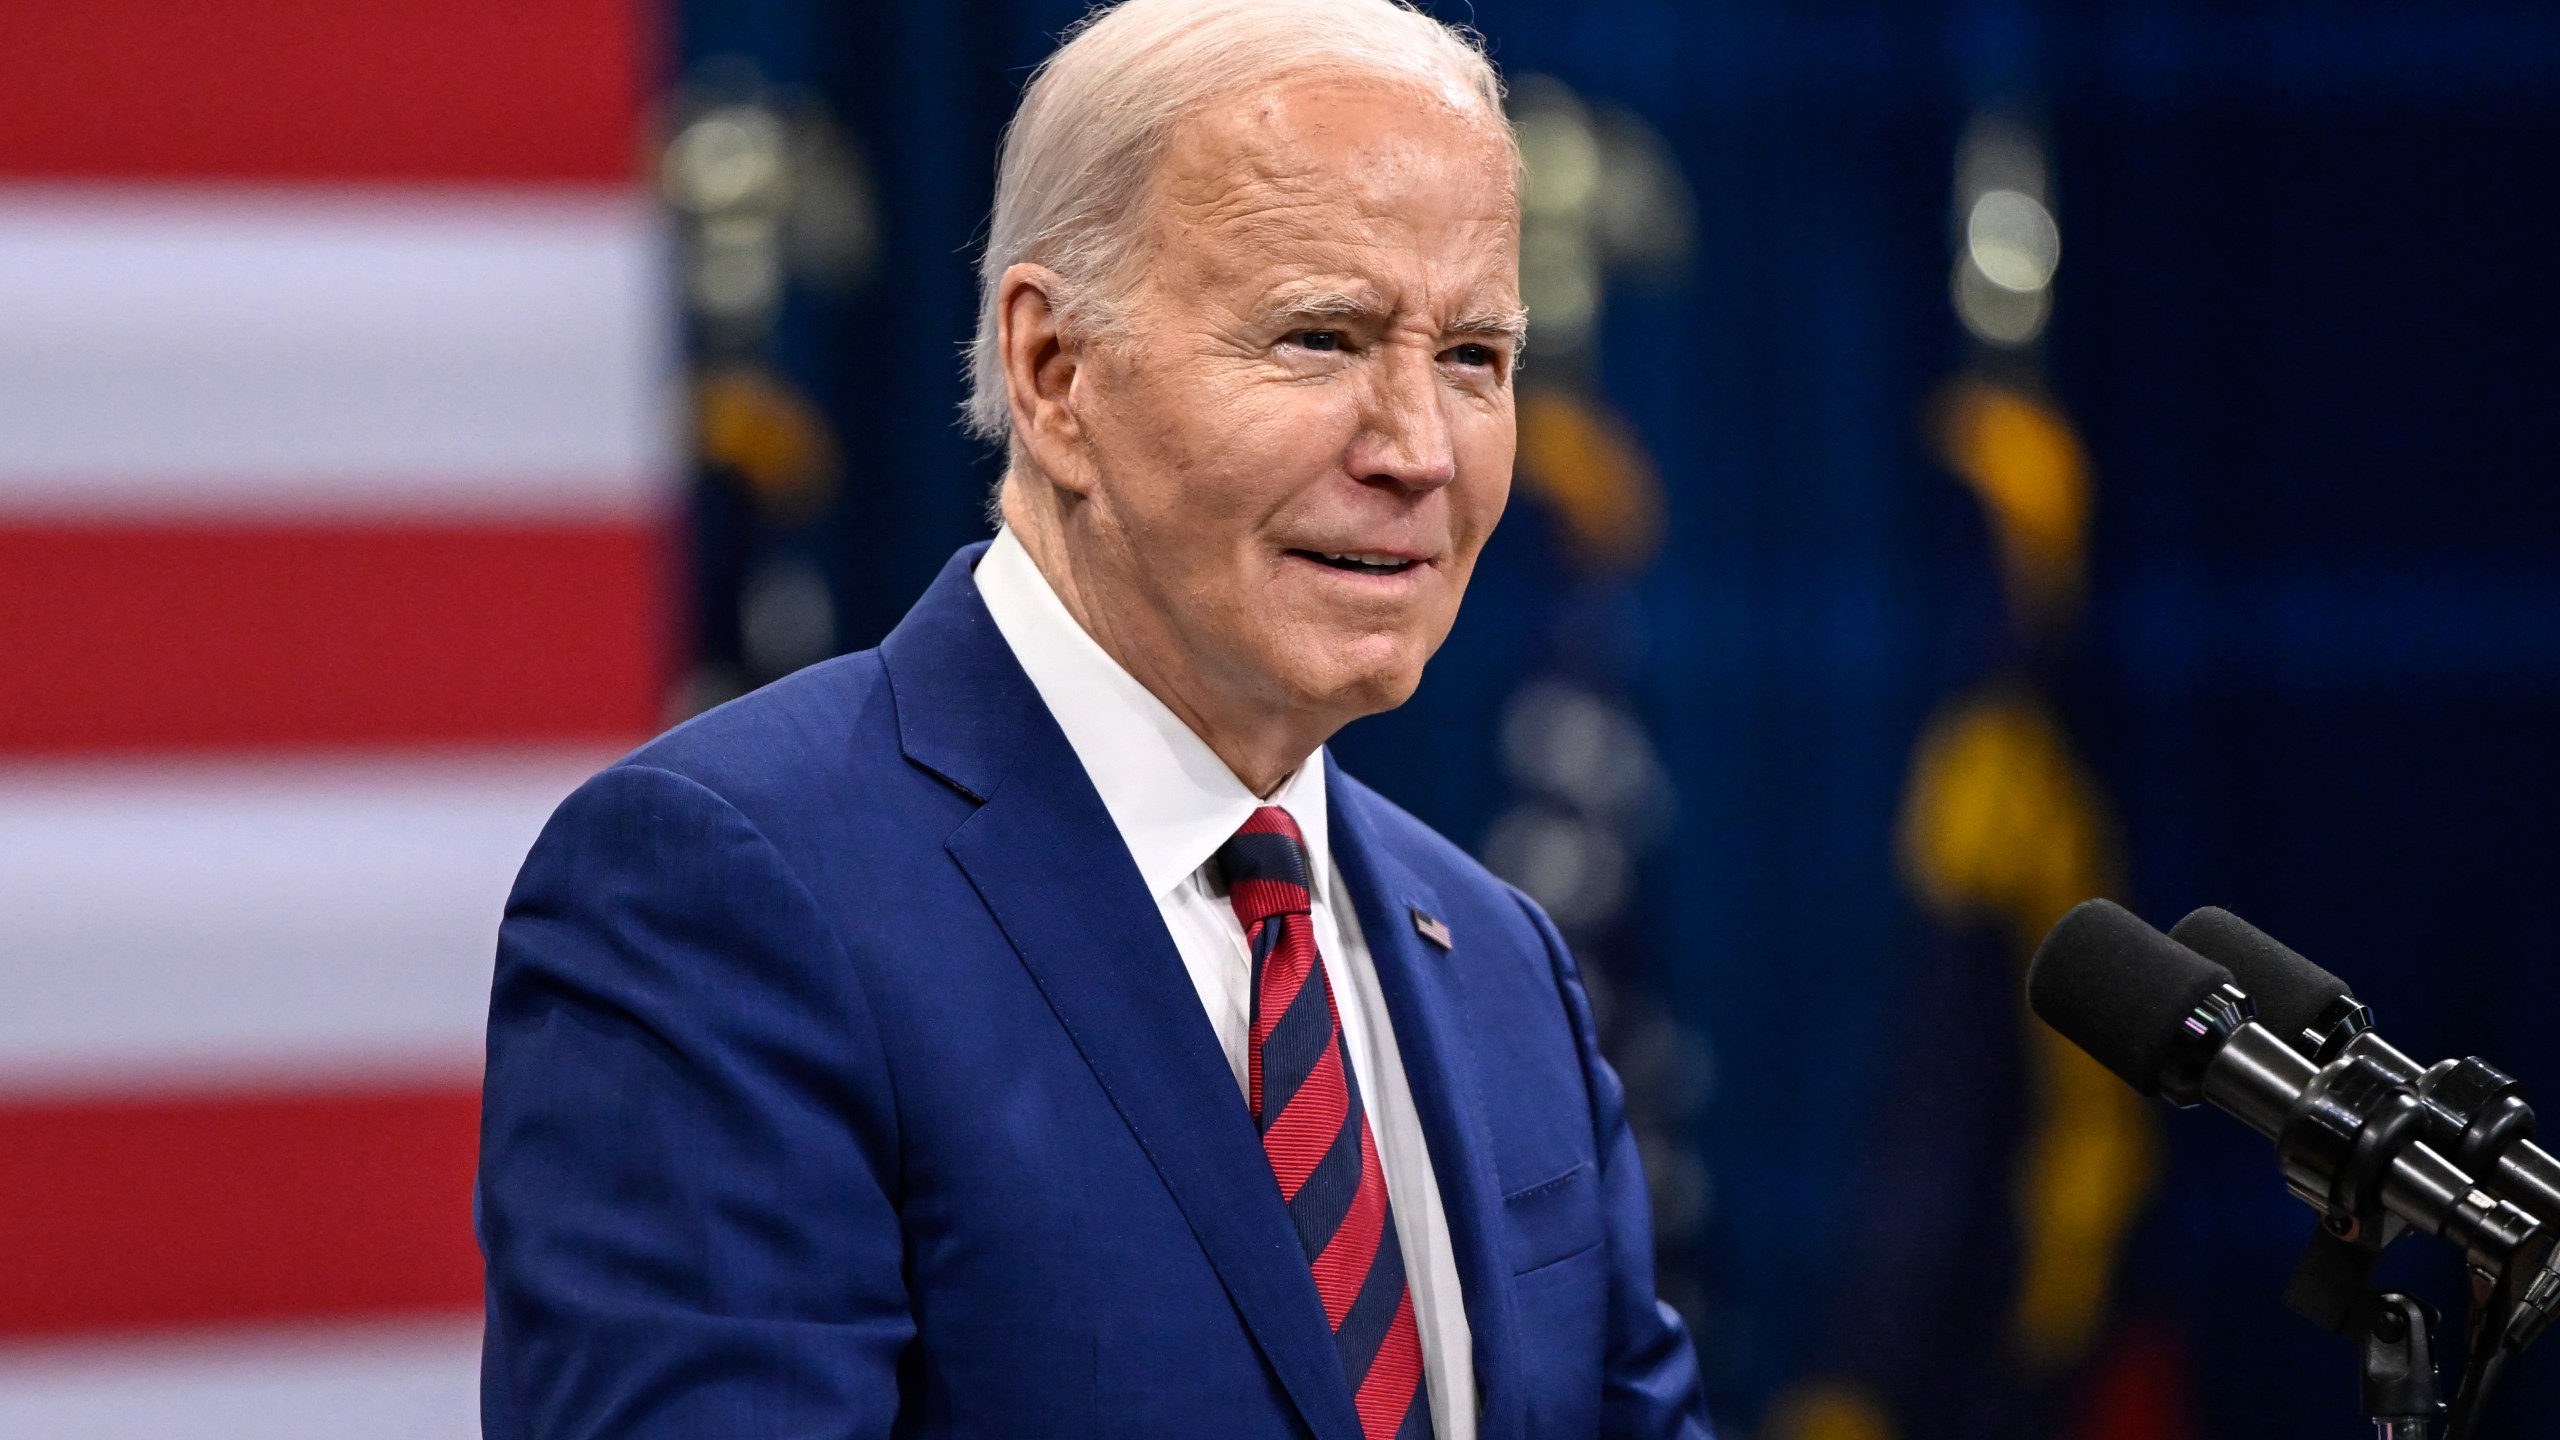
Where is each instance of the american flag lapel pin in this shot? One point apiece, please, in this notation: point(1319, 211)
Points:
point(1431, 928)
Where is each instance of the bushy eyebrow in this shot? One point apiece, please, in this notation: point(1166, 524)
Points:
point(1325, 305)
point(1512, 324)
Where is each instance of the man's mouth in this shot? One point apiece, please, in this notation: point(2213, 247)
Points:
point(1358, 562)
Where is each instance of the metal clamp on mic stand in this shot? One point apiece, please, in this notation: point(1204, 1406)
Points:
point(2336, 1142)
point(2471, 1110)
point(2336, 1154)
point(2338, 1150)
point(2352, 1123)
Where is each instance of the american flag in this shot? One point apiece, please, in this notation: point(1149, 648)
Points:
point(337, 488)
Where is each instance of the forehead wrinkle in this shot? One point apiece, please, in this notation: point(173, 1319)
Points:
point(1252, 204)
point(1313, 202)
point(1221, 169)
point(1314, 238)
point(1331, 281)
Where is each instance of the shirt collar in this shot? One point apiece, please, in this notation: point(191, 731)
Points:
point(1173, 800)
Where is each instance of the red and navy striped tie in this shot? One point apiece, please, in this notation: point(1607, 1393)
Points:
point(1316, 1134)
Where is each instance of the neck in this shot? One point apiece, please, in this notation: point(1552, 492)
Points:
point(1261, 738)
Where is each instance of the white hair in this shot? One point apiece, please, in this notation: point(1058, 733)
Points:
point(1097, 115)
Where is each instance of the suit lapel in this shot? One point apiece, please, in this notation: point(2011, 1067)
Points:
point(1424, 990)
point(1044, 856)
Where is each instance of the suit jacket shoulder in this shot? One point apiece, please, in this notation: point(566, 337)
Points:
point(819, 743)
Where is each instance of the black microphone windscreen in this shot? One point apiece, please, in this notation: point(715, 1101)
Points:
point(2292, 993)
point(2119, 989)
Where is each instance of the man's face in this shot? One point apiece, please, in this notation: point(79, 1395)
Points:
point(1302, 432)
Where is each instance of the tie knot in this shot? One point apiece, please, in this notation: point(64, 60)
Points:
point(1265, 867)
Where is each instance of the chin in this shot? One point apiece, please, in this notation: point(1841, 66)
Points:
point(1362, 677)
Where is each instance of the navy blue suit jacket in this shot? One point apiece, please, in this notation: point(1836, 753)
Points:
point(844, 1081)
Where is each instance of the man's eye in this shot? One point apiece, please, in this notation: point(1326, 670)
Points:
point(1473, 355)
point(1318, 339)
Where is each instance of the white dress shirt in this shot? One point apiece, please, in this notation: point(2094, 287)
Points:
point(1175, 802)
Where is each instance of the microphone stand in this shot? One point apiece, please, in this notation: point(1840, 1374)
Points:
point(2334, 1149)
point(2353, 1125)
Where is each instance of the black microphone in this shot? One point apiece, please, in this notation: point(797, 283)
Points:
point(2474, 1112)
point(2173, 1023)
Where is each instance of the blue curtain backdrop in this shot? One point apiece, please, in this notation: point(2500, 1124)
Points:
point(2304, 324)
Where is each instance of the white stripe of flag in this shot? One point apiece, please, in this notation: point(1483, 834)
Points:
point(175, 352)
point(185, 924)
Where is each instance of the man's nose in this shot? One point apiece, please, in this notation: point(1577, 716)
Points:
point(1405, 440)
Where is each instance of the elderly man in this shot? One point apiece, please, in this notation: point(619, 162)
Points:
point(1023, 1029)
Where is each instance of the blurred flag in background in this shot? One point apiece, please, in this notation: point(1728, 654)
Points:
point(336, 489)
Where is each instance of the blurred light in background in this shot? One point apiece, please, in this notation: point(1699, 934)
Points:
point(2010, 244)
point(775, 200)
point(1586, 798)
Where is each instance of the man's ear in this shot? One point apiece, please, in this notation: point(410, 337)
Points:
point(1041, 365)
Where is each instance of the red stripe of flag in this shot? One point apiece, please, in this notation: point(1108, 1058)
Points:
point(127, 1213)
point(330, 90)
point(198, 636)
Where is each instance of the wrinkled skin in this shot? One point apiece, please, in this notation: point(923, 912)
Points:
point(1314, 358)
